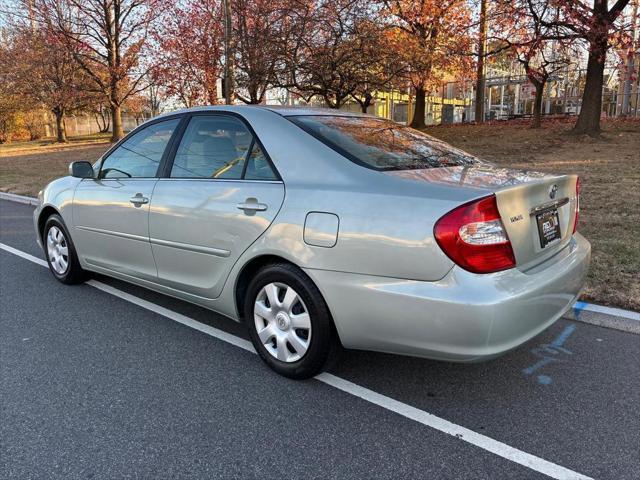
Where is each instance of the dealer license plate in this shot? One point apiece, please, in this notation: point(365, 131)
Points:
point(548, 227)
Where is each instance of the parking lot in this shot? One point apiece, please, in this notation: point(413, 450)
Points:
point(108, 380)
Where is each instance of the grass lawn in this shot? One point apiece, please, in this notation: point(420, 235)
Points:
point(26, 172)
point(609, 167)
point(50, 143)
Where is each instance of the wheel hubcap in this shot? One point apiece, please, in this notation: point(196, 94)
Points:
point(57, 250)
point(282, 319)
point(282, 322)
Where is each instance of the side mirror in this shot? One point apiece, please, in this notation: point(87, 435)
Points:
point(81, 169)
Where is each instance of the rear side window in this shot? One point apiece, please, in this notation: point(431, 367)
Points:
point(381, 144)
point(258, 167)
point(139, 155)
point(213, 146)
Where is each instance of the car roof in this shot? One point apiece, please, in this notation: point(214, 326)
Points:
point(287, 111)
point(284, 110)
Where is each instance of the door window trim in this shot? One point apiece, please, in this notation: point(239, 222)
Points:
point(138, 129)
point(164, 172)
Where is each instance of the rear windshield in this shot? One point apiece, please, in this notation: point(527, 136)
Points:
point(381, 144)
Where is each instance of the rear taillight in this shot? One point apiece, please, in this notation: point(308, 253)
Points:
point(474, 237)
point(577, 217)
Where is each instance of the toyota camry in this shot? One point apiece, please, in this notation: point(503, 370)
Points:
point(320, 229)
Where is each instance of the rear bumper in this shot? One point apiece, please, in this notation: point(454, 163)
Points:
point(463, 317)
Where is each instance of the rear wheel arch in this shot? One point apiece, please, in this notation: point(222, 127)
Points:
point(247, 272)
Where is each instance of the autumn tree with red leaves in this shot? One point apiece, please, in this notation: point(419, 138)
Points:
point(595, 22)
point(259, 30)
point(383, 71)
point(188, 52)
point(431, 39)
point(540, 46)
point(191, 48)
point(106, 38)
point(331, 50)
point(43, 72)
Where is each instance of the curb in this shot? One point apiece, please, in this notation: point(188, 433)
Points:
point(599, 315)
point(612, 311)
point(606, 320)
point(18, 152)
point(12, 197)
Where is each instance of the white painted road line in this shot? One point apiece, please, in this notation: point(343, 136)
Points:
point(425, 418)
point(486, 443)
point(24, 255)
point(175, 316)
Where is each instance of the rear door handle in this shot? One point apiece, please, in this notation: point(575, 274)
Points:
point(138, 199)
point(252, 205)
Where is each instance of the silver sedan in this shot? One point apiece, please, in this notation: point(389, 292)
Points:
point(320, 228)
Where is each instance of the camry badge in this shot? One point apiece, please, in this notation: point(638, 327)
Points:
point(552, 191)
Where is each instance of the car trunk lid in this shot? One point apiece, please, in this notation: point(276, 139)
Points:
point(537, 209)
point(538, 217)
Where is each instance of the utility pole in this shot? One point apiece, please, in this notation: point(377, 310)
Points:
point(480, 80)
point(228, 54)
point(631, 68)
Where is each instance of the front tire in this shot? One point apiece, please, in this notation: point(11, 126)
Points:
point(61, 253)
point(289, 322)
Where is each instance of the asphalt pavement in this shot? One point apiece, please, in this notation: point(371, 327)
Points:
point(94, 386)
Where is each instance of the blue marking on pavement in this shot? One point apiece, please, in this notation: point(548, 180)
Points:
point(566, 333)
point(538, 365)
point(578, 307)
point(548, 353)
point(544, 380)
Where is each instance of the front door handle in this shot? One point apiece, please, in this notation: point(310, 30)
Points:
point(138, 199)
point(252, 205)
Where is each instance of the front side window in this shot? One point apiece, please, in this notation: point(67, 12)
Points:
point(213, 146)
point(381, 144)
point(139, 155)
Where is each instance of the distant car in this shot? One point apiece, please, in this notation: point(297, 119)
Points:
point(319, 228)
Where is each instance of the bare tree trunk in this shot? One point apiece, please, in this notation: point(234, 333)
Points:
point(118, 131)
point(419, 111)
point(254, 96)
point(61, 132)
point(366, 102)
point(589, 118)
point(536, 120)
point(116, 114)
point(480, 80)
point(107, 123)
point(212, 95)
point(103, 120)
point(153, 100)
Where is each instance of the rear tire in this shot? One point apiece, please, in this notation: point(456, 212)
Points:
point(289, 322)
point(61, 253)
